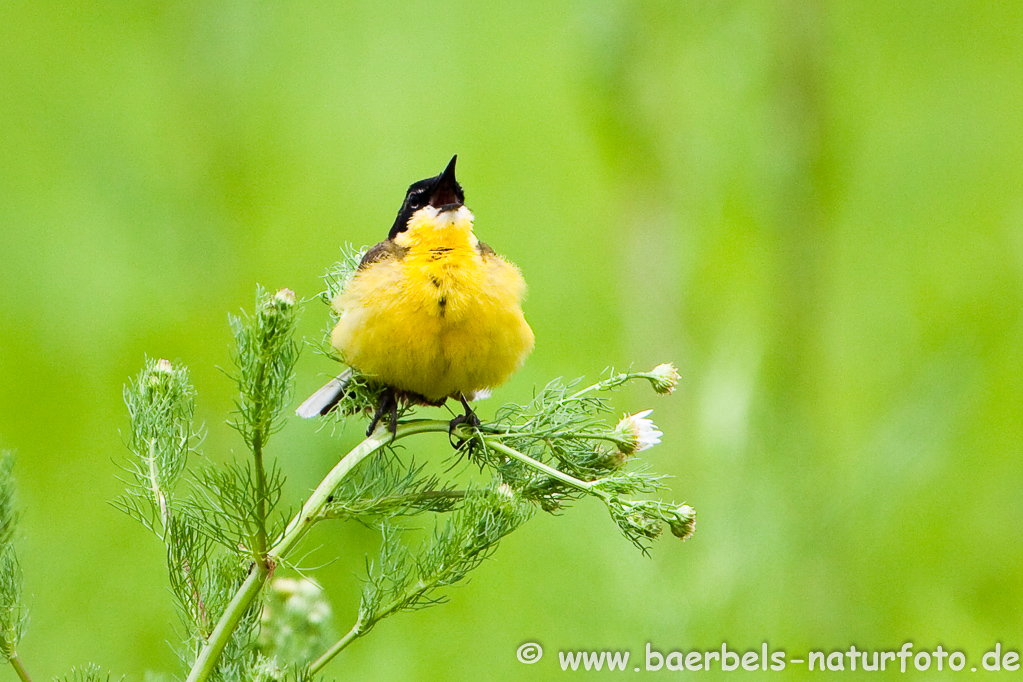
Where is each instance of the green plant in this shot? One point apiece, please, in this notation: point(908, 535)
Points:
point(228, 541)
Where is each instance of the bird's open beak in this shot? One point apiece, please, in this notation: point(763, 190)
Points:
point(445, 194)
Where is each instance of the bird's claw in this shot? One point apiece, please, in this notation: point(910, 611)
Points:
point(471, 420)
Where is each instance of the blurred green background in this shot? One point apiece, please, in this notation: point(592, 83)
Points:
point(814, 209)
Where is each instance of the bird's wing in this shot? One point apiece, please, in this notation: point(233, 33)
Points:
point(382, 251)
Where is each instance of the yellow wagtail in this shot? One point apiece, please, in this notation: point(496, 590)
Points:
point(431, 313)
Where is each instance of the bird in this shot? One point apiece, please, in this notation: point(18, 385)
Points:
point(431, 313)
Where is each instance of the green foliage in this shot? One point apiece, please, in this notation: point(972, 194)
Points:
point(362, 395)
point(89, 673)
point(339, 275)
point(561, 425)
point(401, 581)
point(239, 660)
point(8, 513)
point(562, 428)
point(230, 502)
point(225, 540)
point(265, 356)
point(161, 405)
point(13, 612)
point(209, 534)
point(385, 486)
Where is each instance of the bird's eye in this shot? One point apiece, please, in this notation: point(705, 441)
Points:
point(417, 198)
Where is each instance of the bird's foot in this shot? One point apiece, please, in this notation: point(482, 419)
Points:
point(468, 418)
point(388, 406)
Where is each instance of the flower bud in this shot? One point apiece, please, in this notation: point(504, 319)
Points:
point(682, 521)
point(161, 376)
point(285, 297)
point(664, 378)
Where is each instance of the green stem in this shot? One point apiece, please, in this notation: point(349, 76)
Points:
point(398, 501)
point(312, 510)
point(360, 628)
point(493, 441)
point(296, 530)
point(20, 669)
point(333, 651)
point(154, 483)
point(257, 454)
point(585, 486)
point(610, 382)
point(243, 598)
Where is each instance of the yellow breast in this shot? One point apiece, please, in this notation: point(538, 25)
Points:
point(444, 319)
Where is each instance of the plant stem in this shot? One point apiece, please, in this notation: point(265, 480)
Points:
point(333, 651)
point(360, 628)
point(492, 441)
point(260, 420)
point(210, 654)
point(610, 382)
point(312, 510)
point(154, 482)
point(585, 486)
point(20, 669)
point(257, 454)
point(296, 530)
point(394, 500)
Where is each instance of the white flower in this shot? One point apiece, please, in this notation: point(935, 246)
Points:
point(163, 365)
point(637, 433)
point(664, 378)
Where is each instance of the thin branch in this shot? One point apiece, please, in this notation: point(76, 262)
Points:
point(299, 526)
point(403, 502)
point(312, 510)
point(20, 669)
point(585, 486)
point(257, 454)
point(338, 647)
point(206, 663)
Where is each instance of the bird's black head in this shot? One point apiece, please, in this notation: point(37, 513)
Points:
point(442, 192)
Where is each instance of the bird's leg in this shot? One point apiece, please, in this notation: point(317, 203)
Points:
point(469, 418)
point(394, 415)
point(389, 406)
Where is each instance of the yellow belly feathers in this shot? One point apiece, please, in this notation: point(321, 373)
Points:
point(444, 319)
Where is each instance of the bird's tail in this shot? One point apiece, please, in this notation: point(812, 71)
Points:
point(327, 398)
